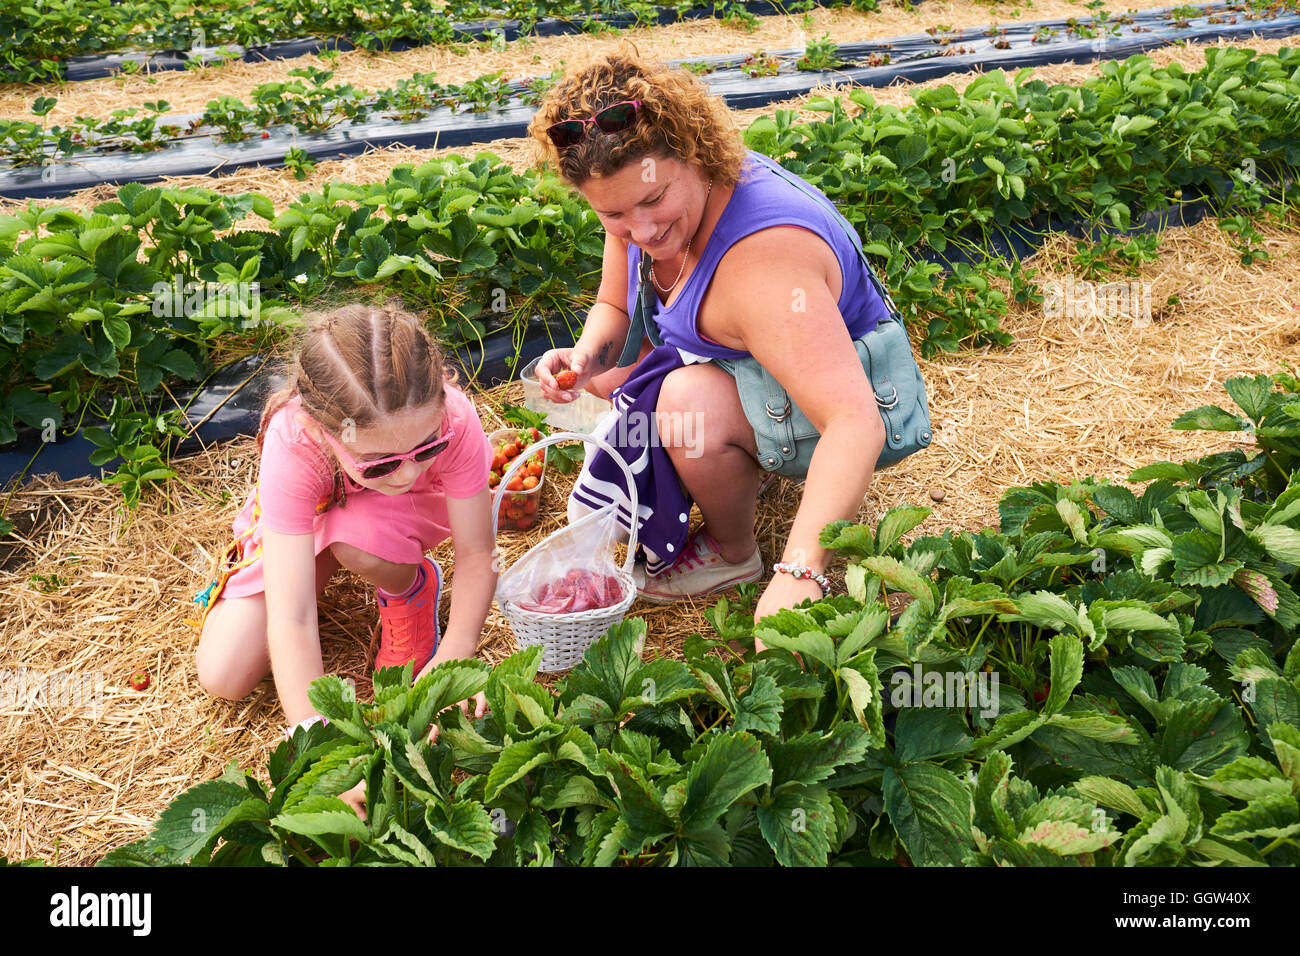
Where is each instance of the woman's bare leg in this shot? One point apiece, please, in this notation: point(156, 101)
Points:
point(711, 443)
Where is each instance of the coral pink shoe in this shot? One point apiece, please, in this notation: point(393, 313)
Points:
point(409, 626)
point(699, 570)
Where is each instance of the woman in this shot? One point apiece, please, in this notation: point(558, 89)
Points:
point(741, 262)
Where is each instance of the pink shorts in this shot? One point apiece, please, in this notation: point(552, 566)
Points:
point(397, 528)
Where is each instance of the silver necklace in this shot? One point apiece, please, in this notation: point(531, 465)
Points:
point(654, 278)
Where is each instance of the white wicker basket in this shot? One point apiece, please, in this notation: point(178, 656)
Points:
point(565, 637)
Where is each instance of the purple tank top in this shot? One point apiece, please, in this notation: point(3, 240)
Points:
point(762, 199)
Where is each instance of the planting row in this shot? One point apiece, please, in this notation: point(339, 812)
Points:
point(68, 39)
point(108, 305)
point(306, 119)
point(1108, 679)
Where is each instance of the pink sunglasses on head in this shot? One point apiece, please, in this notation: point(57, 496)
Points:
point(376, 468)
point(612, 119)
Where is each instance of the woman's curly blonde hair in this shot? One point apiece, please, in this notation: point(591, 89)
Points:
point(678, 118)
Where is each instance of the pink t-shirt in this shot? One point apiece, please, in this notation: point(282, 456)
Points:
point(295, 476)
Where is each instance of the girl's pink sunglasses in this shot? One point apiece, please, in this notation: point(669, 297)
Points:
point(375, 468)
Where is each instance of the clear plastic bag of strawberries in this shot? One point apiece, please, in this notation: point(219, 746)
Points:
point(572, 570)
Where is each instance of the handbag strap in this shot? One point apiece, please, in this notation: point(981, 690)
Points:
point(643, 323)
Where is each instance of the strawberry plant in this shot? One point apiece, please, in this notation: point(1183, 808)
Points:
point(299, 163)
point(821, 54)
point(1145, 719)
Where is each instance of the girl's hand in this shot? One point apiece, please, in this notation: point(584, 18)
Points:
point(784, 590)
point(552, 363)
point(356, 799)
point(480, 708)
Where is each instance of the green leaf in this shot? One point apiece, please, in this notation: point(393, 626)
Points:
point(732, 765)
point(1250, 393)
point(931, 810)
point(191, 820)
point(759, 709)
point(1066, 671)
point(1280, 542)
point(990, 796)
point(1270, 817)
point(514, 763)
point(810, 644)
point(862, 679)
point(1072, 515)
point(1207, 417)
point(930, 733)
point(607, 670)
point(1197, 561)
point(899, 576)
point(1113, 794)
point(1062, 825)
point(798, 824)
point(812, 758)
point(1203, 735)
point(319, 816)
point(1044, 609)
point(1286, 745)
point(896, 522)
point(465, 825)
point(1247, 778)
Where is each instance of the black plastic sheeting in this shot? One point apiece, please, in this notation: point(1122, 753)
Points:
point(919, 57)
point(239, 409)
point(913, 58)
point(94, 67)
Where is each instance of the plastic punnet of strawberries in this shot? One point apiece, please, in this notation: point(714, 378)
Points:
point(578, 590)
point(520, 506)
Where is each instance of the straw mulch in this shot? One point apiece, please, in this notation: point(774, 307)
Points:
point(375, 166)
point(1072, 397)
point(189, 92)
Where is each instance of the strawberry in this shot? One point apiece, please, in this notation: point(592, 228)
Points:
point(566, 379)
point(530, 482)
point(530, 506)
point(140, 680)
point(535, 433)
point(516, 484)
point(524, 523)
point(265, 135)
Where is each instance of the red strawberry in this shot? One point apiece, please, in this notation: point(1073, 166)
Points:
point(566, 379)
point(140, 680)
point(265, 135)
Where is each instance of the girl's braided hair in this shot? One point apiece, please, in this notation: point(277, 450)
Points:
point(356, 366)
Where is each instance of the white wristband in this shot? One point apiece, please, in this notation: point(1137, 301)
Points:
point(313, 719)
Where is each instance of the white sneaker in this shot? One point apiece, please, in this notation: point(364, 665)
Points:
point(698, 571)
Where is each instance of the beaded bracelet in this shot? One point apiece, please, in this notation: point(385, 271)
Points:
point(801, 572)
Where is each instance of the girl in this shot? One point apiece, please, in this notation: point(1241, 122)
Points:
point(369, 457)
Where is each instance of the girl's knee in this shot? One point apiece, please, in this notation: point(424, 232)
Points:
point(229, 664)
point(223, 678)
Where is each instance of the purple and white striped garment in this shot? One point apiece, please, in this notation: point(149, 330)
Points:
point(663, 507)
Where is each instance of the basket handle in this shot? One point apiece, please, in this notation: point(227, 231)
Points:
point(555, 439)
